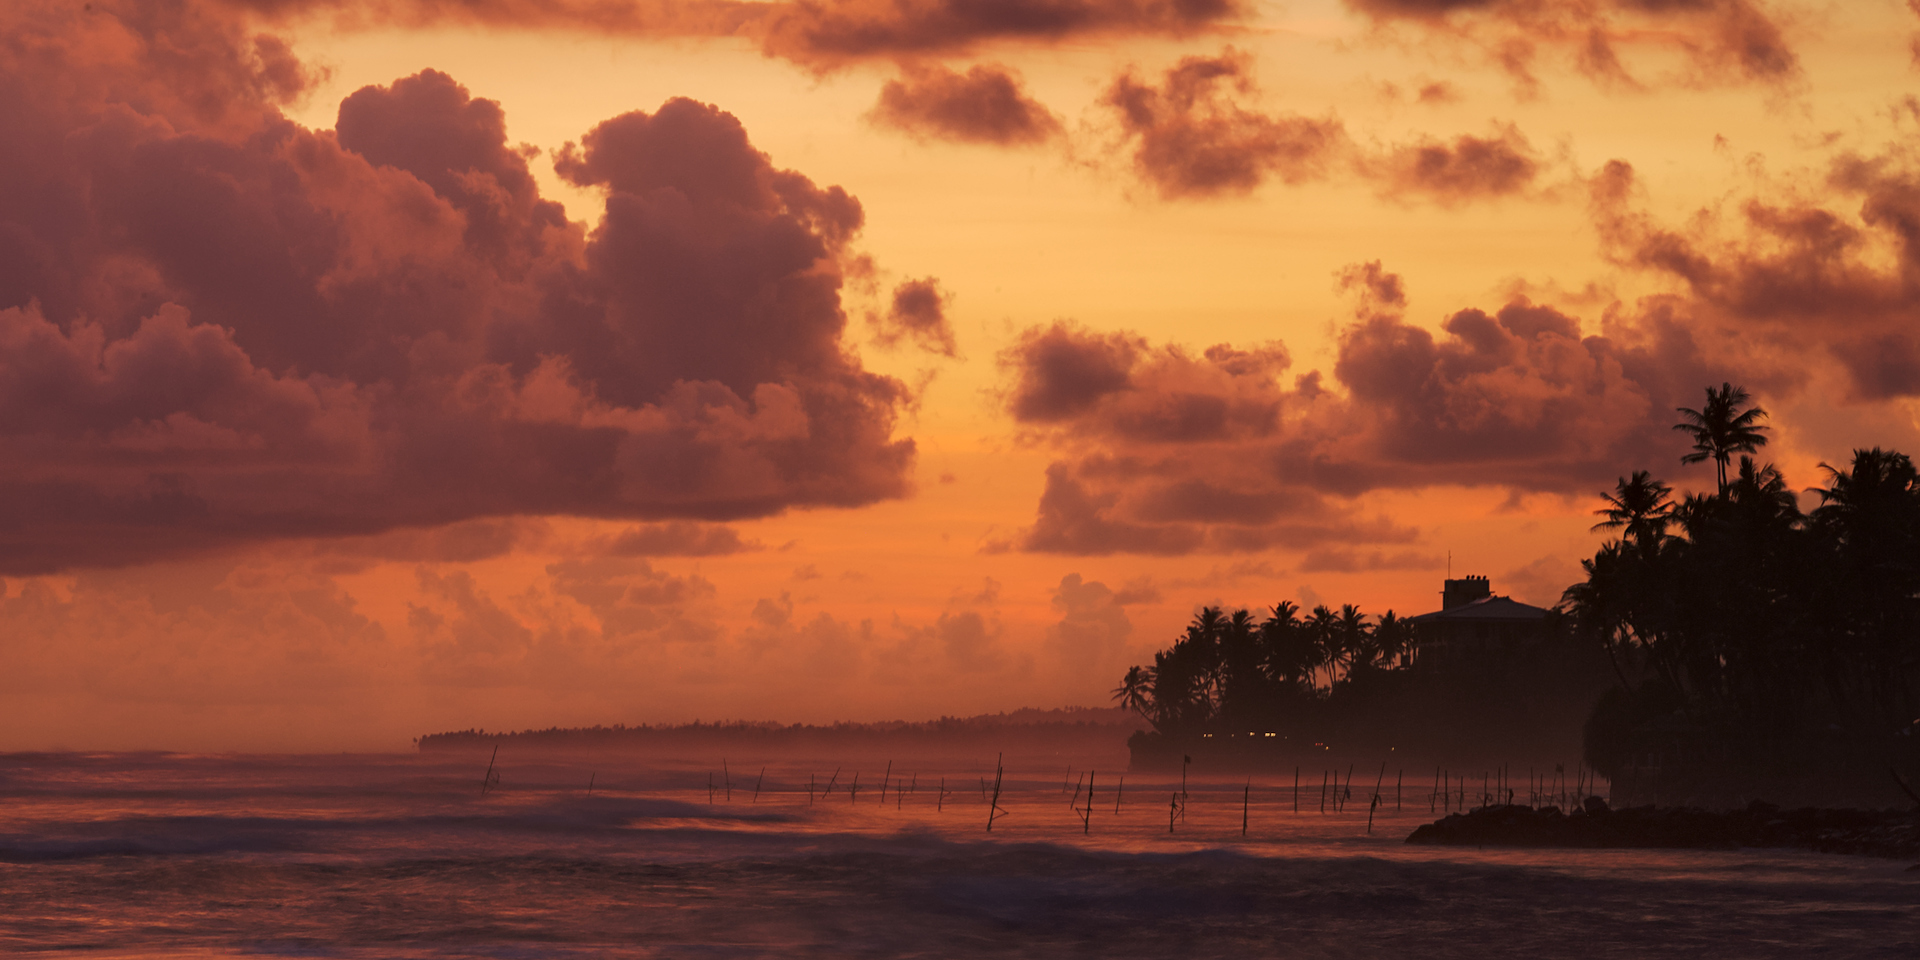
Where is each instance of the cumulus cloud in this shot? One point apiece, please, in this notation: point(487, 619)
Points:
point(1193, 135)
point(1167, 451)
point(1064, 369)
point(1093, 626)
point(217, 326)
point(1468, 168)
point(1913, 42)
point(677, 538)
point(199, 635)
point(984, 105)
point(1338, 560)
point(918, 313)
point(1198, 134)
point(1438, 92)
point(466, 541)
point(819, 33)
point(833, 31)
point(1720, 41)
point(1792, 273)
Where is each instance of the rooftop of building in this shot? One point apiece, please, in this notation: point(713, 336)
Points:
point(1485, 608)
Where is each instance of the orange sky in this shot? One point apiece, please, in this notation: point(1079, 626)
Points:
point(325, 428)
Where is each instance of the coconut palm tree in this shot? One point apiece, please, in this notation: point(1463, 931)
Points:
point(1762, 492)
point(1721, 429)
point(1873, 496)
point(1292, 656)
point(1393, 638)
point(1595, 608)
point(1356, 638)
point(1323, 630)
point(1242, 679)
point(1640, 505)
point(1134, 691)
point(1870, 518)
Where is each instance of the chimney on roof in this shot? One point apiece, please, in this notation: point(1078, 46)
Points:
point(1465, 590)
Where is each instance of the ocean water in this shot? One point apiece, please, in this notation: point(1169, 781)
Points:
point(121, 855)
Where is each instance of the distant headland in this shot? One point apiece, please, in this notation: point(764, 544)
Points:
point(1077, 730)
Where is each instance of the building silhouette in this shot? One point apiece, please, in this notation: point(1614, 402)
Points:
point(1474, 627)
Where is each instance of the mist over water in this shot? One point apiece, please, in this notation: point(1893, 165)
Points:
point(384, 856)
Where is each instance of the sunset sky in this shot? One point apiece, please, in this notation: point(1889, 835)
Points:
point(371, 368)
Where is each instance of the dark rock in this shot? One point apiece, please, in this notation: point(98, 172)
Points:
point(1888, 834)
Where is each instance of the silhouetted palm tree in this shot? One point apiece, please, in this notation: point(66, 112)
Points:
point(1870, 518)
point(1323, 630)
point(1640, 505)
point(1242, 681)
point(1594, 604)
point(1393, 638)
point(1356, 638)
point(1879, 486)
point(1762, 490)
point(1721, 429)
point(1134, 691)
point(1292, 656)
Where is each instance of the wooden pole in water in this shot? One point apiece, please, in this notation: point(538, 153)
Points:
point(1246, 797)
point(1376, 793)
point(757, 783)
point(728, 774)
point(883, 783)
point(853, 789)
point(1116, 794)
point(829, 790)
point(1348, 795)
point(940, 804)
point(1173, 807)
point(993, 812)
point(1323, 791)
point(709, 788)
point(1086, 816)
point(590, 777)
point(1184, 761)
point(809, 788)
point(487, 781)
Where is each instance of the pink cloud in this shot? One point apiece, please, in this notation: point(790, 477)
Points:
point(220, 327)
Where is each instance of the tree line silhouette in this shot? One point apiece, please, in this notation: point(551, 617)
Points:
point(1231, 672)
point(1726, 621)
point(1735, 620)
